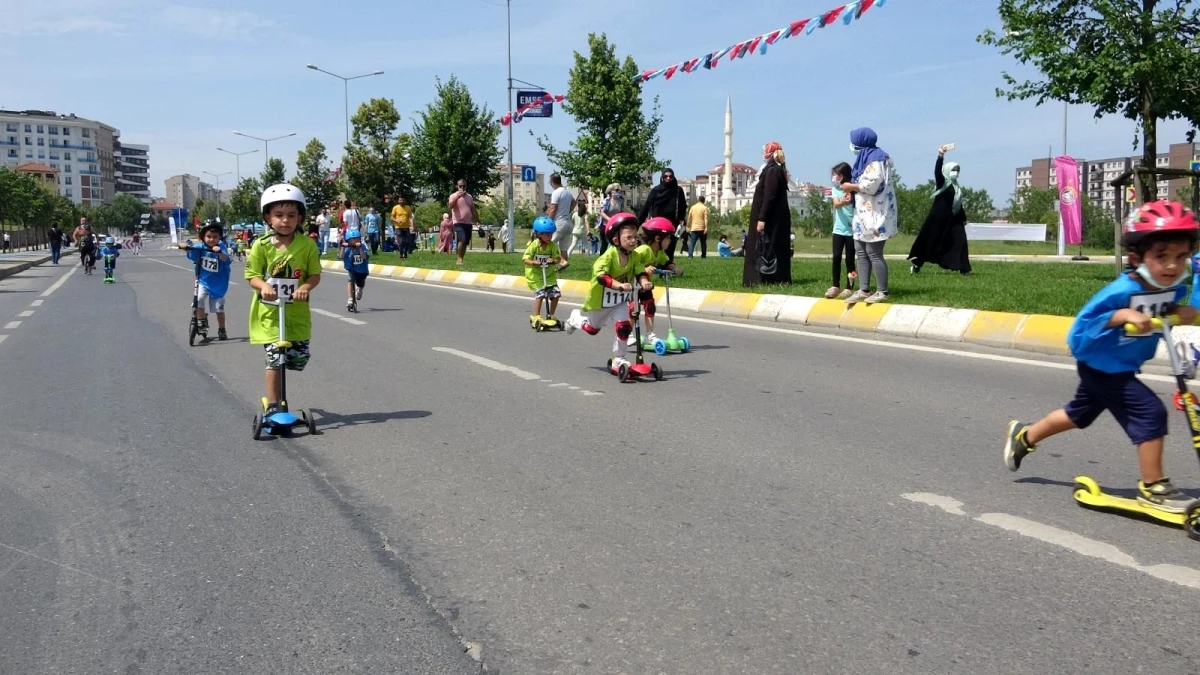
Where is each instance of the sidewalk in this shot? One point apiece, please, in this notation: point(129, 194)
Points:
point(15, 263)
point(1037, 333)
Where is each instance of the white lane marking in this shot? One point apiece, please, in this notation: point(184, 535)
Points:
point(36, 303)
point(11, 325)
point(1091, 548)
point(58, 284)
point(559, 384)
point(185, 269)
point(488, 363)
point(948, 504)
point(808, 334)
point(26, 313)
point(339, 317)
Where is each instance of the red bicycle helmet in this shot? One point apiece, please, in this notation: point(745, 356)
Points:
point(657, 225)
point(1159, 217)
point(616, 223)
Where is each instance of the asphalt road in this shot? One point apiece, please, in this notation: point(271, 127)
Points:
point(785, 501)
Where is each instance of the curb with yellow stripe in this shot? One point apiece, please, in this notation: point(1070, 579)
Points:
point(1040, 333)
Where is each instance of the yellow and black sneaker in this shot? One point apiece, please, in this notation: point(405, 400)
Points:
point(1015, 445)
point(1163, 496)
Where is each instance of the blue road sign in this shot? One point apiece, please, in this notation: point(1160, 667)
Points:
point(1195, 166)
point(524, 98)
point(528, 173)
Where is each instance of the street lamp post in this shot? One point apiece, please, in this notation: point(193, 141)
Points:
point(346, 93)
point(238, 157)
point(266, 145)
point(512, 220)
point(217, 178)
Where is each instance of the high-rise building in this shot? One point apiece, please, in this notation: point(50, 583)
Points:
point(529, 192)
point(185, 189)
point(1096, 175)
point(133, 170)
point(80, 150)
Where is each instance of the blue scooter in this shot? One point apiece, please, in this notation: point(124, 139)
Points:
point(282, 421)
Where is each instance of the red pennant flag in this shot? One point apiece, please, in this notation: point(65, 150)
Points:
point(866, 4)
point(797, 26)
point(733, 53)
point(692, 64)
point(504, 121)
point(773, 36)
point(559, 99)
point(671, 71)
point(547, 98)
point(832, 16)
point(646, 74)
point(753, 45)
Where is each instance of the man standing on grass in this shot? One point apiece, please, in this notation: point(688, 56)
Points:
point(402, 221)
point(697, 221)
point(560, 207)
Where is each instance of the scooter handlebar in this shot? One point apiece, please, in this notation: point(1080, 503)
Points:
point(1155, 324)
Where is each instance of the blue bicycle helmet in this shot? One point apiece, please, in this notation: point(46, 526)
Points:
point(109, 241)
point(353, 234)
point(543, 225)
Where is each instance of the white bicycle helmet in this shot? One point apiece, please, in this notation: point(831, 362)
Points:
point(283, 192)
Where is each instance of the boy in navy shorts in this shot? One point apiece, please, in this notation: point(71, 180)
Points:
point(1159, 239)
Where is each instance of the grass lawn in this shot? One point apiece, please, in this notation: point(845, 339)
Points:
point(1029, 288)
point(901, 243)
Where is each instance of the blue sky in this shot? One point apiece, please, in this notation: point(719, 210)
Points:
point(181, 77)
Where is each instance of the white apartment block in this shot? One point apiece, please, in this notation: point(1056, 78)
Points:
point(82, 151)
point(133, 170)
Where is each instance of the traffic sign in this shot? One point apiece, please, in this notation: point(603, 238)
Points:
point(525, 98)
point(1130, 195)
point(145, 218)
point(1195, 166)
point(528, 173)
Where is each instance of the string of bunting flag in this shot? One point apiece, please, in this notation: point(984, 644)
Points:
point(848, 13)
point(516, 117)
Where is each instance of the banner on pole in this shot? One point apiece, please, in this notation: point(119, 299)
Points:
point(1069, 203)
point(174, 233)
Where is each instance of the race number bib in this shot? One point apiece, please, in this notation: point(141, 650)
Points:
point(541, 259)
point(615, 298)
point(209, 264)
point(356, 260)
point(286, 288)
point(1153, 305)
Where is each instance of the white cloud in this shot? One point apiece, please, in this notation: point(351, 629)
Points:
point(212, 24)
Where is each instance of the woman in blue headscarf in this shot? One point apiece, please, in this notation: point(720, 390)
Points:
point(943, 237)
point(875, 214)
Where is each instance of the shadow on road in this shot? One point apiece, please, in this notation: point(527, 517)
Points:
point(381, 309)
point(330, 420)
point(705, 348)
point(1128, 493)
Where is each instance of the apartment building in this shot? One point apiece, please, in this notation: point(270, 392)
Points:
point(530, 192)
point(132, 167)
point(1095, 176)
point(183, 191)
point(80, 150)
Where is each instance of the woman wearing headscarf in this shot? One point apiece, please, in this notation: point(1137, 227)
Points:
point(445, 234)
point(768, 242)
point(666, 200)
point(614, 203)
point(875, 214)
point(943, 237)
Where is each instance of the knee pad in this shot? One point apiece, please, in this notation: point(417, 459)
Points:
point(624, 329)
point(590, 329)
point(649, 307)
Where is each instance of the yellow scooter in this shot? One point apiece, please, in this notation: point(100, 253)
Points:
point(1088, 492)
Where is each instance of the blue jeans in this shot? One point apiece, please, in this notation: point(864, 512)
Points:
point(55, 251)
point(702, 237)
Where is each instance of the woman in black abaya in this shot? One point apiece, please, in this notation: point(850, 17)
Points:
point(943, 237)
point(770, 223)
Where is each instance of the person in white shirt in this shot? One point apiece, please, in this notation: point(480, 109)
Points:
point(351, 219)
point(323, 230)
point(561, 205)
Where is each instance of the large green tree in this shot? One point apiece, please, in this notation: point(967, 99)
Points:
point(614, 143)
point(274, 173)
point(455, 138)
point(1138, 58)
point(244, 204)
point(312, 170)
point(376, 166)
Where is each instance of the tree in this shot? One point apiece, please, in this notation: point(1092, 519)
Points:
point(978, 205)
point(210, 209)
point(273, 174)
point(818, 218)
point(126, 212)
point(615, 143)
point(376, 165)
point(1034, 205)
point(244, 204)
point(312, 170)
point(1133, 57)
point(454, 139)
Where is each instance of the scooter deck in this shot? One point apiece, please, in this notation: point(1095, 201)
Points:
point(1088, 493)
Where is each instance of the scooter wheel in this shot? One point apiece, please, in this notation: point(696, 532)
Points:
point(258, 427)
point(687, 344)
point(660, 347)
point(623, 374)
point(309, 422)
point(1191, 522)
point(192, 335)
point(609, 364)
point(656, 372)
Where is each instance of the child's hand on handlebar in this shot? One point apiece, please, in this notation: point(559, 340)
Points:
point(268, 294)
point(1143, 323)
point(626, 287)
point(301, 294)
point(647, 286)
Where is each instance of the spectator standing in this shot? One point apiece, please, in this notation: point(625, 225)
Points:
point(697, 221)
point(462, 207)
point(559, 208)
point(666, 200)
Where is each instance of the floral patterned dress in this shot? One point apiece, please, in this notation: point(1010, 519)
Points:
point(875, 214)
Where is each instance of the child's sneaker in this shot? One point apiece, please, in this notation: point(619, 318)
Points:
point(831, 292)
point(632, 341)
point(845, 294)
point(1015, 445)
point(221, 335)
point(349, 303)
point(878, 296)
point(573, 321)
point(857, 296)
point(1163, 496)
point(358, 296)
point(619, 361)
point(651, 338)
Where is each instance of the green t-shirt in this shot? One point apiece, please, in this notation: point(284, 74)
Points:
point(286, 269)
point(536, 251)
point(600, 297)
point(647, 257)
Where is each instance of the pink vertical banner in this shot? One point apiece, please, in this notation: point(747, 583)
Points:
point(1069, 202)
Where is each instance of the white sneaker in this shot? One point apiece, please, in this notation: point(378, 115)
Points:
point(878, 296)
point(349, 303)
point(573, 321)
point(632, 341)
point(359, 295)
point(857, 296)
point(619, 361)
point(652, 338)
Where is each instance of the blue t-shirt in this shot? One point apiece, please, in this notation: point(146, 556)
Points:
point(356, 259)
point(843, 216)
point(723, 250)
point(214, 272)
point(1109, 349)
point(372, 223)
point(114, 251)
point(1195, 280)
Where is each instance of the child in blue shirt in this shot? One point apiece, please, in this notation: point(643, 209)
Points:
point(211, 257)
point(109, 254)
point(1160, 239)
point(357, 261)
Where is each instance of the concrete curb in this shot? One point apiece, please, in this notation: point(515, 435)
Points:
point(16, 264)
point(1038, 333)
